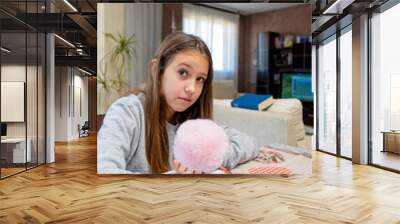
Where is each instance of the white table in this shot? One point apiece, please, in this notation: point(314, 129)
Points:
point(18, 148)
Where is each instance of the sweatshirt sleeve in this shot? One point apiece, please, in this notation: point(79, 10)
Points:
point(115, 137)
point(242, 148)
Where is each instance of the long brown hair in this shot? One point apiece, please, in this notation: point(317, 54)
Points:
point(157, 148)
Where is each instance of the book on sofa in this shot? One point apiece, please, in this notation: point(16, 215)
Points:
point(253, 101)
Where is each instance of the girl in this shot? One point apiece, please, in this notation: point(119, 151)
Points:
point(138, 130)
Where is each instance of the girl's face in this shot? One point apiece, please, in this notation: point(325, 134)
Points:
point(183, 80)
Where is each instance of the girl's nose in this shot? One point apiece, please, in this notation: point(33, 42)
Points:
point(190, 87)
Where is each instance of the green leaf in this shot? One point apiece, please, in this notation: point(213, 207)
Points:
point(120, 56)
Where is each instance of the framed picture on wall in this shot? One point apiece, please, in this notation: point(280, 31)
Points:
point(12, 101)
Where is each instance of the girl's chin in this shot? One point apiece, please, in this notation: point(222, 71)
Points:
point(181, 108)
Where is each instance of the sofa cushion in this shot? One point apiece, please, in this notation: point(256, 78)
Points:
point(292, 108)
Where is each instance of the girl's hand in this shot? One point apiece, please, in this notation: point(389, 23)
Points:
point(179, 168)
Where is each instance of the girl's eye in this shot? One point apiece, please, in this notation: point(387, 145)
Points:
point(201, 79)
point(183, 73)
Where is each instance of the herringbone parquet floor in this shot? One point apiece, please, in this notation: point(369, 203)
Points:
point(70, 191)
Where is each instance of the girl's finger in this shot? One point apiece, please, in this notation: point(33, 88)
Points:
point(176, 165)
point(182, 169)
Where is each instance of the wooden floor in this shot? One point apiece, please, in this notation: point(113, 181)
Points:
point(10, 171)
point(70, 191)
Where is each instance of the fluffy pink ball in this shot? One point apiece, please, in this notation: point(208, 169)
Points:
point(200, 145)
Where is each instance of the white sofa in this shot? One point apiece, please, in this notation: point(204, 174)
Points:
point(281, 123)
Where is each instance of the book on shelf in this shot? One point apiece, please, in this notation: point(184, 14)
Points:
point(253, 101)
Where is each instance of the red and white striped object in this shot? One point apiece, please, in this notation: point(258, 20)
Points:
point(270, 170)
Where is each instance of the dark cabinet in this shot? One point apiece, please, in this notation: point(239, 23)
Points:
point(284, 68)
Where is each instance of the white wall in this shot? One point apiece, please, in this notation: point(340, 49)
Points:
point(79, 117)
point(70, 84)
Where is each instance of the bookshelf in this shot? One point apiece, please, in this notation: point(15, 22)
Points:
point(283, 57)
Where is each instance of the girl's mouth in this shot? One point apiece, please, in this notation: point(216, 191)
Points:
point(185, 99)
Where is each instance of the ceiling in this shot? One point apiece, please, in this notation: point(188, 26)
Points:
point(327, 15)
point(252, 8)
point(76, 22)
point(72, 20)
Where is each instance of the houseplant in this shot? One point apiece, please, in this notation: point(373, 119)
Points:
point(112, 80)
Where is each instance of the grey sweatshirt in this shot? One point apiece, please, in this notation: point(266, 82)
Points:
point(121, 141)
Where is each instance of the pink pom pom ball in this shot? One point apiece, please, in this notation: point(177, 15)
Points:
point(200, 145)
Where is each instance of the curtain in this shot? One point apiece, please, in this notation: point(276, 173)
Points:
point(143, 20)
point(219, 30)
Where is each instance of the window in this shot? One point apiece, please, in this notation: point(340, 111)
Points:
point(334, 106)
point(346, 93)
point(385, 83)
point(219, 30)
point(22, 78)
point(327, 96)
